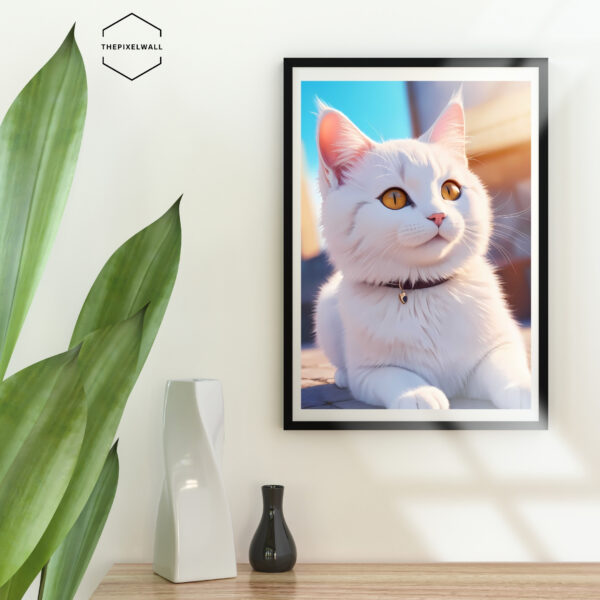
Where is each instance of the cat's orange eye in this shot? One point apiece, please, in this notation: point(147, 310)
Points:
point(394, 198)
point(450, 190)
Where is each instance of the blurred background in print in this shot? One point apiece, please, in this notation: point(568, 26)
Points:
point(498, 127)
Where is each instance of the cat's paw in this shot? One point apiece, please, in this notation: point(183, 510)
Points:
point(516, 396)
point(426, 396)
point(341, 378)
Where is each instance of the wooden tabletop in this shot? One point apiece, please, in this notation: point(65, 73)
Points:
point(460, 581)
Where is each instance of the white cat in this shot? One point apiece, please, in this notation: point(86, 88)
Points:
point(406, 213)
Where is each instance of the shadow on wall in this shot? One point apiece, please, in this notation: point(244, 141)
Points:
point(528, 497)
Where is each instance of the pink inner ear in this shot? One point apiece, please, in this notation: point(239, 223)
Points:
point(329, 129)
point(340, 142)
point(449, 129)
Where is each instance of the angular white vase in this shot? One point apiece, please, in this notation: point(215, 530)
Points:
point(194, 536)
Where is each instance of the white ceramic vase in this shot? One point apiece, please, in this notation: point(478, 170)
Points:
point(194, 537)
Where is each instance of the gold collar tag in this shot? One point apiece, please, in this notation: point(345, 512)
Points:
point(402, 295)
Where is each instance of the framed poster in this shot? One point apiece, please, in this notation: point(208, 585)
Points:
point(415, 243)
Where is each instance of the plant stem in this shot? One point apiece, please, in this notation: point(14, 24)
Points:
point(42, 581)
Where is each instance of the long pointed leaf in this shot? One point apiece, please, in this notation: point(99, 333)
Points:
point(63, 574)
point(41, 451)
point(142, 271)
point(107, 366)
point(39, 144)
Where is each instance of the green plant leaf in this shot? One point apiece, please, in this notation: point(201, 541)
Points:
point(142, 271)
point(40, 138)
point(107, 367)
point(62, 575)
point(42, 425)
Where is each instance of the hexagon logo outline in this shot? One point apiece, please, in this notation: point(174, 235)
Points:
point(118, 68)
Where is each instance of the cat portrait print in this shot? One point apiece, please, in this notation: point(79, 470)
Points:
point(413, 316)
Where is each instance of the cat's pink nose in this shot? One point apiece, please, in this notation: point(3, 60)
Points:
point(437, 218)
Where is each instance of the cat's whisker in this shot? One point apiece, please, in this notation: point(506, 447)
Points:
point(524, 215)
point(517, 237)
point(520, 243)
point(508, 226)
point(496, 245)
point(470, 244)
point(510, 231)
point(504, 253)
point(506, 200)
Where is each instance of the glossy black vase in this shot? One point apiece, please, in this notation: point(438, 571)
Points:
point(272, 548)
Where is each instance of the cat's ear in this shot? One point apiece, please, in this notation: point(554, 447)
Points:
point(340, 144)
point(449, 128)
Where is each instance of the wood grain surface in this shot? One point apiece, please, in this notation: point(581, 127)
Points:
point(460, 581)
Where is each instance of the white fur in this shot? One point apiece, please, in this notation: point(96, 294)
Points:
point(451, 340)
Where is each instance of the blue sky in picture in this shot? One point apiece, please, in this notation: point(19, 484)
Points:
point(379, 109)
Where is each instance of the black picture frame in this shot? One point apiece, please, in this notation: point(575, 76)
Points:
point(292, 345)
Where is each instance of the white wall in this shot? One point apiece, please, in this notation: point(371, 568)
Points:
point(209, 123)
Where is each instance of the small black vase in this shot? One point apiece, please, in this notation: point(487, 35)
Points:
point(272, 548)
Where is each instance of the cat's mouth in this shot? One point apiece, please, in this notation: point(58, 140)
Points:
point(438, 242)
point(436, 238)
